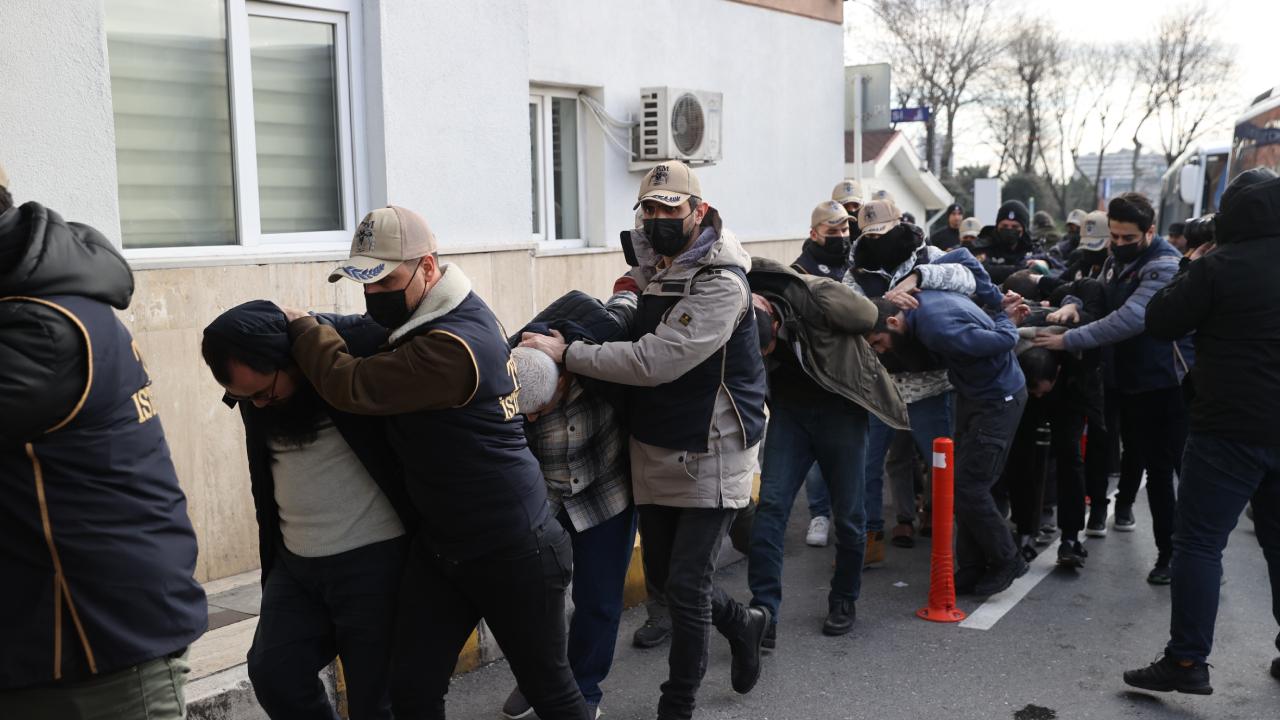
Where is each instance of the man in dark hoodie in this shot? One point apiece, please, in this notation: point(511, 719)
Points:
point(949, 237)
point(95, 541)
point(1012, 245)
point(1228, 296)
point(333, 514)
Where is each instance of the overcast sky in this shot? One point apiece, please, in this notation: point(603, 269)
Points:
point(1252, 27)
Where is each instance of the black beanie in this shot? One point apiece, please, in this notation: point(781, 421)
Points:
point(1015, 210)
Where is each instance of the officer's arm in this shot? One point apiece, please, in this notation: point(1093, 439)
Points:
point(1129, 320)
point(43, 370)
point(433, 371)
point(695, 328)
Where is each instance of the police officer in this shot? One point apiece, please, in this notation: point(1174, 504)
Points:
point(826, 252)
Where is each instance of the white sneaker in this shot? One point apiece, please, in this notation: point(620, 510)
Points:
point(819, 532)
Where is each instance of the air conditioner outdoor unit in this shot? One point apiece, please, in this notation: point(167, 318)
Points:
point(677, 124)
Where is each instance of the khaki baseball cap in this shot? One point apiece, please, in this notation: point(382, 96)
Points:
point(828, 212)
point(970, 227)
point(848, 191)
point(879, 217)
point(1076, 217)
point(384, 240)
point(1095, 233)
point(4, 178)
point(670, 183)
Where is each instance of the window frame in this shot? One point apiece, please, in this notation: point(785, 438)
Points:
point(542, 96)
point(346, 18)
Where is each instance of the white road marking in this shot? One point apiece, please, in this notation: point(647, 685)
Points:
point(997, 606)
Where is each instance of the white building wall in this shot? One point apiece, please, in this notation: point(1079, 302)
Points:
point(57, 137)
point(782, 76)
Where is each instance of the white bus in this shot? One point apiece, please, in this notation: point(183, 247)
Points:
point(1257, 135)
point(1193, 184)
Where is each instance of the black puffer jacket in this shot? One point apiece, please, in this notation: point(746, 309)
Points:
point(1229, 298)
point(42, 359)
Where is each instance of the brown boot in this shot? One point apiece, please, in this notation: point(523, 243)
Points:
point(875, 549)
point(904, 535)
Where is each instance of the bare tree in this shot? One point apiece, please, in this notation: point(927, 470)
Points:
point(1184, 71)
point(1036, 59)
point(940, 47)
point(1104, 68)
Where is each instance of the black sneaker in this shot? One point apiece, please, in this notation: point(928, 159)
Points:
point(745, 645)
point(1168, 675)
point(1275, 668)
point(1046, 535)
point(1029, 552)
point(1125, 521)
point(653, 633)
point(1097, 525)
point(1159, 574)
point(770, 637)
point(999, 578)
point(840, 618)
point(966, 578)
point(1071, 553)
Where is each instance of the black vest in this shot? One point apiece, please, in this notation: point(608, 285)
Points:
point(468, 469)
point(677, 415)
point(99, 552)
point(810, 265)
point(1142, 363)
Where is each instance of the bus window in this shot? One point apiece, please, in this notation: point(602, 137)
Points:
point(1257, 142)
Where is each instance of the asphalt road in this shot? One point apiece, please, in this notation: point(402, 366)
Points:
point(1057, 654)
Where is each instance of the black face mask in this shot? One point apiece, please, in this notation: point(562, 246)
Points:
point(1128, 253)
point(854, 230)
point(834, 252)
point(666, 235)
point(1009, 238)
point(887, 251)
point(391, 309)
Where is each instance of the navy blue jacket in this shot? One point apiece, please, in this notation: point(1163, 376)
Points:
point(976, 347)
point(96, 548)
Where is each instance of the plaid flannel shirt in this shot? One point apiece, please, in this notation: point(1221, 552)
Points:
point(584, 457)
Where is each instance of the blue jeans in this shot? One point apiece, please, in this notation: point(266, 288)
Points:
point(601, 556)
point(1219, 477)
point(931, 418)
point(816, 490)
point(832, 432)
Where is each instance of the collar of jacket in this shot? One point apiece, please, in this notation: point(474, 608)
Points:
point(447, 295)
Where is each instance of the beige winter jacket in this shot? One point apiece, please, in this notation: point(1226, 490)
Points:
point(694, 329)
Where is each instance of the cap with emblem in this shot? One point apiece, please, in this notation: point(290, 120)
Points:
point(1094, 231)
point(1076, 217)
point(882, 195)
point(671, 183)
point(828, 212)
point(385, 239)
point(879, 217)
point(970, 227)
point(848, 191)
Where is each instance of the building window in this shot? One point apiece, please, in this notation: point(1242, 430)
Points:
point(234, 124)
point(555, 140)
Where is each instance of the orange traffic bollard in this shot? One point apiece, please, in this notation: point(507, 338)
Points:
point(942, 582)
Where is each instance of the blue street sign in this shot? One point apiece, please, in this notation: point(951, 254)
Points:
point(915, 114)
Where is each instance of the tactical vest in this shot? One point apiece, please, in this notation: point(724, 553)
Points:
point(677, 415)
point(468, 469)
point(97, 549)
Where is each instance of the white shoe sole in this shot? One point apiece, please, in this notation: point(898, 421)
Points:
point(1096, 533)
point(1124, 528)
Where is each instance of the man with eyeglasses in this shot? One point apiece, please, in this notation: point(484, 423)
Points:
point(332, 517)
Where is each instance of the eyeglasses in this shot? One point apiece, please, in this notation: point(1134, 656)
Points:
point(262, 396)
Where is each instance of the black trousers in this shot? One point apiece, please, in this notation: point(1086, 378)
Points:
point(520, 594)
point(1107, 454)
point(680, 549)
point(316, 608)
point(984, 434)
point(1156, 423)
